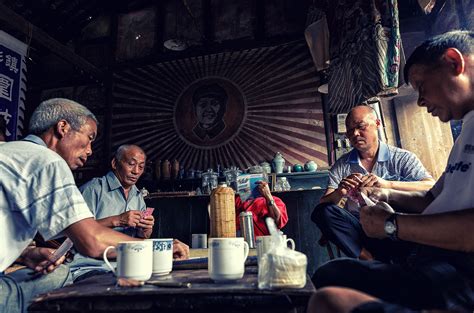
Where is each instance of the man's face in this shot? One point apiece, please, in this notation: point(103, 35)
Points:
point(76, 146)
point(362, 130)
point(443, 93)
point(129, 169)
point(207, 109)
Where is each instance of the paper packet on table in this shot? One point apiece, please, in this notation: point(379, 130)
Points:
point(282, 267)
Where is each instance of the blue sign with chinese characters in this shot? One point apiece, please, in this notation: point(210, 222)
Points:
point(12, 84)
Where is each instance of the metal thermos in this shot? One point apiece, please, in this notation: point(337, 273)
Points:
point(246, 227)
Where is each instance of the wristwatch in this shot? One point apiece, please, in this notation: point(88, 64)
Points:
point(390, 227)
point(271, 202)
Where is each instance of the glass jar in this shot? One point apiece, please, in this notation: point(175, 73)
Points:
point(285, 184)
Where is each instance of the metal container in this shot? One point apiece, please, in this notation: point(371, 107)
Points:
point(246, 227)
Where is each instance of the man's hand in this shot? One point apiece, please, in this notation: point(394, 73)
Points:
point(40, 259)
point(376, 194)
point(180, 250)
point(352, 181)
point(129, 218)
point(372, 219)
point(264, 190)
point(146, 224)
point(372, 180)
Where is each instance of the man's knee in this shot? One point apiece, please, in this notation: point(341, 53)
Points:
point(59, 278)
point(322, 213)
point(338, 272)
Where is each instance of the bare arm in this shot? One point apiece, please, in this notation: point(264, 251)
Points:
point(273, 210)
point(332, 195)
point(90, 238)
point(450, 230)
point(401, 201)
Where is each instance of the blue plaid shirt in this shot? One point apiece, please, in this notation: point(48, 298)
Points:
point(392, 164)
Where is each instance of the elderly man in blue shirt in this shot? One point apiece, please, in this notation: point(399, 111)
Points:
point(115, 200)
point(117, 203)
point(371, 163)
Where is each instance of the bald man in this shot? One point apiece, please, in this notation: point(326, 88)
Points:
point(370, 163)
point(117, 203)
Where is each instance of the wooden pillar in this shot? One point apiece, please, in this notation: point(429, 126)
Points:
point(421, 133)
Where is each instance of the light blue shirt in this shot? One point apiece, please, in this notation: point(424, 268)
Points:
point(37, 194)
point(105, 197)
point(392, 164)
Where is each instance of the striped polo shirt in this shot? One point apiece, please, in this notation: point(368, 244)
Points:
point(37, 194)
point(393, 164)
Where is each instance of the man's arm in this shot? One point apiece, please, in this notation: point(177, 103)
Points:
point(129, 218)
point(450, 230)
point(332, 195)
point(373, 180)
point(401, 201)
point(90, 238)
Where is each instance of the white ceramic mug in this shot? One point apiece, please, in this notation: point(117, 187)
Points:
point(264, 243)
point(134, 259)
point(227, 258)
point(199, 241)
point(162, 255)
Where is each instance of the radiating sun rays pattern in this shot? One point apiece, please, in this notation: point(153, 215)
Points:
point(272, 89)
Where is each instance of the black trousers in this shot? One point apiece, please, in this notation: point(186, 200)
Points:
point(430, 279)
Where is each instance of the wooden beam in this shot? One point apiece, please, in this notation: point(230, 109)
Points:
point(20, 24)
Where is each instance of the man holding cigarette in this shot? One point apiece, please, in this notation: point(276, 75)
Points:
point(372, 163)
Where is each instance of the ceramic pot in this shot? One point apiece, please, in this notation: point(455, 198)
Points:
point(278, 163)
point(266, 167)
point(310, 166)
point(297, 168)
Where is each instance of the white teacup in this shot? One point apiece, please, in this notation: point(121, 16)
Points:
point(162, 255)
point(227, 258)
point(134, 259)
point(264, 243)
point(199, 241)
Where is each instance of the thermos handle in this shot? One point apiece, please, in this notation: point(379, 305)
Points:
point(104, 255)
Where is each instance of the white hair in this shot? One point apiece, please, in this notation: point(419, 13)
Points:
point(51, 111)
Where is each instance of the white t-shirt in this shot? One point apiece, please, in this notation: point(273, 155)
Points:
point(37, 194)
point(454, 190)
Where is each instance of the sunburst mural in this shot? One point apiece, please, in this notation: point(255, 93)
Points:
point(233, 108)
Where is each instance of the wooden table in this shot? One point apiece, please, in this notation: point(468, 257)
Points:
point(99, 294)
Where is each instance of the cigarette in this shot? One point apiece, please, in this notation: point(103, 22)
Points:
point(360, 180)
point(168, 284)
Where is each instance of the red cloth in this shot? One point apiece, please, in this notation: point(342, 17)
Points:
point(259, 210)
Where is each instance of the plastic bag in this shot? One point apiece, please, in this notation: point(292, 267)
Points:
point(281, 267)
